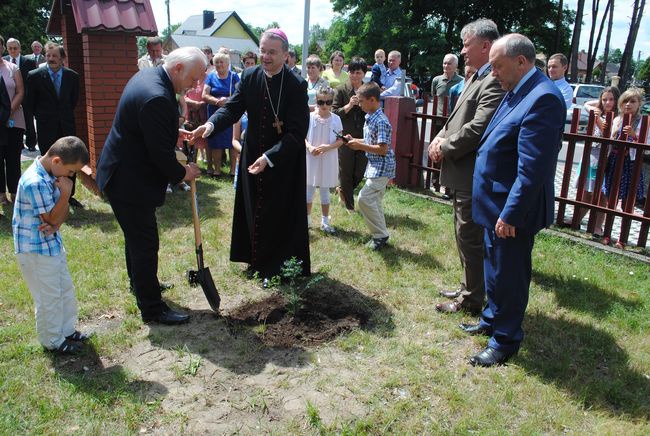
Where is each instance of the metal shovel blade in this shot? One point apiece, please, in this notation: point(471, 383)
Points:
point(209, 289)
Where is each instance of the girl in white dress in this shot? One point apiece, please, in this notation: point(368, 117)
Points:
point(322, 158)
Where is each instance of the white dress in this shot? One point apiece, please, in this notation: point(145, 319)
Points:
point(323, 170)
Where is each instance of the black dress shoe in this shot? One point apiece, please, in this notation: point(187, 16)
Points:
point(450, 294)
point(169, 317)
point(75, 203)
point(475, 329)
point(489, 357)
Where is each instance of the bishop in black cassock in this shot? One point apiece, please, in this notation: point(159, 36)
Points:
point(270, 217)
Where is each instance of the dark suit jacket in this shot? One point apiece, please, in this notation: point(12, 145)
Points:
point(515, 164)
point(54, 114)
point(26, 65)
point(464, 128)
point(32, 56)
point(138, 158)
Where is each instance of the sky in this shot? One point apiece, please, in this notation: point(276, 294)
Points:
point(289, 14)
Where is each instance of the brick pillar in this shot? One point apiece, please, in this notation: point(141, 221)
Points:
point(398, 111)
point(74, 61)
point(109, 60)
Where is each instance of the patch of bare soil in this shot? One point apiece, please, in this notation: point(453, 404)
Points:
point(325, 314)
point(252, 370)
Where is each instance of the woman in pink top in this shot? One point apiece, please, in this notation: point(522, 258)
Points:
point(14, 129)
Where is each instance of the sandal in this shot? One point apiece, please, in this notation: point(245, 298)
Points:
point(68, 347)
point(606, 240)
point(79, 337)
point(620, 245)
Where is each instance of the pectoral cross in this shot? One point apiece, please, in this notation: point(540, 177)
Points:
point(278, 124)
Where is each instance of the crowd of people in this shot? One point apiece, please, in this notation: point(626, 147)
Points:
point(286, 136)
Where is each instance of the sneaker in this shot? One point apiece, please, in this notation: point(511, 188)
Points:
point(376, 244)
point(184, 186)
point(68, 347)
point(169, 189)
point(77, 336)
point(326, 228)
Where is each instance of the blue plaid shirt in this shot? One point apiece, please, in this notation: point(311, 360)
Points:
point(377, 130)
point(36, 195)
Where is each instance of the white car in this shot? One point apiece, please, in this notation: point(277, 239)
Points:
point(583, 93)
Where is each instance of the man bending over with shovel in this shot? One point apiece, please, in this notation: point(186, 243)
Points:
point(139, 160)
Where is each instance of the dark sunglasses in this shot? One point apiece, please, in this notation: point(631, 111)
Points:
point(324, 102)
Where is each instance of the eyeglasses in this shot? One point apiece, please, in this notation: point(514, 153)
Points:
point(324, 102)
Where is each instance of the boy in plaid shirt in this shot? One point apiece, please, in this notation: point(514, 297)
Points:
point(381, 163)
point(40, 208)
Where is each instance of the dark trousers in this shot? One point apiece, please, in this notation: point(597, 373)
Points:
point(469, 241)
point(30, 132)
point(10, 150)
point(508, 268)
point(352, 166)
point(140, 230)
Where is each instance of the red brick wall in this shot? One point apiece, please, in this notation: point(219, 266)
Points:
point(109, 61)
point(74, 61)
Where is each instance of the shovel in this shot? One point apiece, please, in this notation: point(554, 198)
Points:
point(202, 275)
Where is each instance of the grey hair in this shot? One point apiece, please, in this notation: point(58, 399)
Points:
point(10, 40)
point(451, 55)
point(186, 56)
point(271, 35)
point(516, 44)
point(395, 53)
point(482, 28)
point(314, 60)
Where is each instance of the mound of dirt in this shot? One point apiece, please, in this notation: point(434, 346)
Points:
point(327, 311)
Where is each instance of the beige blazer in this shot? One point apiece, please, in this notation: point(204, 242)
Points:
point(464, 128)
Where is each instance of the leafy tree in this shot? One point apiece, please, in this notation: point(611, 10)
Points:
point(423, 31)
point(644, 70)
point(615, 56)
point(24, 20)
point(257, 31)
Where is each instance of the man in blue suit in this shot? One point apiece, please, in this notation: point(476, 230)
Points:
point(139, 160)
point(513, 191)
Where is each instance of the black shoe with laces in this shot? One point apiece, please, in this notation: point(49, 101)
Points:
point(68, 347)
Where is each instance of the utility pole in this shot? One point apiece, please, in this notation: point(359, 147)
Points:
point(305, 40)
point(169, 21)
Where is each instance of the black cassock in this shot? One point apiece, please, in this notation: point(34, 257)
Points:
point(270, 217)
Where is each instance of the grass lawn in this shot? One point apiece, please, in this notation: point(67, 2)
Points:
point(584, 366)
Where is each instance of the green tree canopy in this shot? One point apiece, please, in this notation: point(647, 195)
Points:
point(644, 70)
point(24, 20)
point(424, 31)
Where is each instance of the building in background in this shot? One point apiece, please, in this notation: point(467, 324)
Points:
point(220, 29)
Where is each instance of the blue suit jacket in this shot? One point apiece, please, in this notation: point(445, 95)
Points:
point(139, 158)
point(515, 164)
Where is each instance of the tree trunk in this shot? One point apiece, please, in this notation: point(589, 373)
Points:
point(592, 59)
point(558, 27)
point(625, 71)
point(595, 5)
point(575, 41)
point(603, 65)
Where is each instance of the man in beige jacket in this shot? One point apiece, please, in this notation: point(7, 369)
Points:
point(456, 145)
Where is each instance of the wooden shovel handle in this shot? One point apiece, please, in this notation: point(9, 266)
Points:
point(195, 214)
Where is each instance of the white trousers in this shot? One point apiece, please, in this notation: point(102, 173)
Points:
point(371, 198)
point(50, 284)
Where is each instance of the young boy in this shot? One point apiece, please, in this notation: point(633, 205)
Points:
point(40, 208)
point(381, 163)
